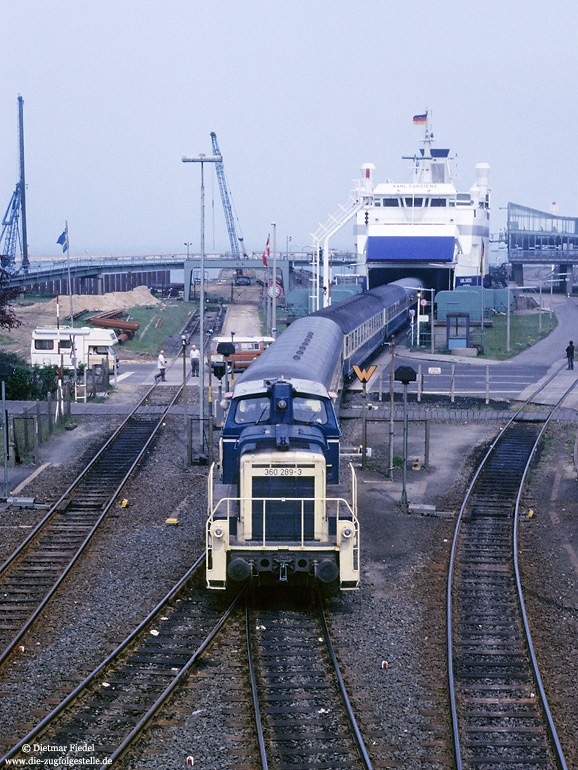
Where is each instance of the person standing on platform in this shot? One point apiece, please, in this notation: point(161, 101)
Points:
point(570, 355)
point(195, 356)
point(161, 366)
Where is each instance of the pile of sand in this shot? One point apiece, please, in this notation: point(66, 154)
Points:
point(116, 300)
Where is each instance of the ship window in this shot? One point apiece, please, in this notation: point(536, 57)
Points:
point(438, 203)
point(252, 411)
point(377, 202)
point(438, 174)
point(413, 202)
point(390, 202)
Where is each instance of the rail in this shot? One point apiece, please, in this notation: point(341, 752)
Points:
point(502, 438)
point(89, 516)
point(149, 700)
point(292, 660)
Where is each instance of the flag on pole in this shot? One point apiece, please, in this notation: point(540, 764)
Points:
point(419, 120)
point(63, 240)
point(266, 253)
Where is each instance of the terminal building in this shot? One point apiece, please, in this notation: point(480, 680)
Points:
point(542, 238)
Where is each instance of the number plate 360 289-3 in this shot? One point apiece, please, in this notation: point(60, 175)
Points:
point(283, 471)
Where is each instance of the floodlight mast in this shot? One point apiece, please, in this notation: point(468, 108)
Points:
point(202, 159)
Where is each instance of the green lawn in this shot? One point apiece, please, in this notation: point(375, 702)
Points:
point(523, 334)
point(156, 322)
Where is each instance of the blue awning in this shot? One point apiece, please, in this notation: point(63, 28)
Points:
point(395, 248)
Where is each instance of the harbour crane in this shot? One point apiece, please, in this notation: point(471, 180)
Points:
point(236, 241)
point(16, 212)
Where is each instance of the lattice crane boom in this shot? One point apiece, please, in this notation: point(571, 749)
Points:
point(235, 240)
point(16, 212)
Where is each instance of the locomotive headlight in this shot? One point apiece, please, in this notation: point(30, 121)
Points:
point(281, 404)
point(347, 532)
point(218, 532)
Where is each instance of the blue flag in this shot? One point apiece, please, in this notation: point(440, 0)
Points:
point(63, 240)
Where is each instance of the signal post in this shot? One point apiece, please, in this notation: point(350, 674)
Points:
point(364, 376)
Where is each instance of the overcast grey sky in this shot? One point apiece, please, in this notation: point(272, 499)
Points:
point(300, 94)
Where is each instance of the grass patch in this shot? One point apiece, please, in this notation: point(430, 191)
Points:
point(5, 340)
point(523, 334)
point(156, 322)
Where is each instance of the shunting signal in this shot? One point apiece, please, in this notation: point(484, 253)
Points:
point(364, 375)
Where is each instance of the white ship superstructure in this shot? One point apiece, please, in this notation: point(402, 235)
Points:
point(425, 228)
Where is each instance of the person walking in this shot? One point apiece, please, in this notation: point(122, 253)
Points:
point(161, 366)
point(570, 355)
point(195, 356)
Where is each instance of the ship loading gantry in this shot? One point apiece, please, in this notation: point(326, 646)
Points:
point(15, 213)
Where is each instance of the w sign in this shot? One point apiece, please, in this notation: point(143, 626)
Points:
point(364, 375)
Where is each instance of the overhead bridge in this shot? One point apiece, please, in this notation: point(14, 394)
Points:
point(100, 275)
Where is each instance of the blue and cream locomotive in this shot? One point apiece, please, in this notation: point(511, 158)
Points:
point(280, 512)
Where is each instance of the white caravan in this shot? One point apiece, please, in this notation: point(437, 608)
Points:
point(91, 347)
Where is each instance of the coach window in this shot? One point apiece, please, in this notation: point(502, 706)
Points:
point(309, 410)
point(252, 410)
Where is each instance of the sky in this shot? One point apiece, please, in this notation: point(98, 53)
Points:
point(300, 94)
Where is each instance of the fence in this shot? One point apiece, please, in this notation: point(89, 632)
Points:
point(33, 425)
point(37, 422)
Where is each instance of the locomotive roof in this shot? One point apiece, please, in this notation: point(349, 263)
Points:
point(255, 387)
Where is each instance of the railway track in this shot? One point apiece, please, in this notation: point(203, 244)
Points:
point(301, 712)
point(303, 716)
point(121, 696)
point(499, 709)
point(34, 571)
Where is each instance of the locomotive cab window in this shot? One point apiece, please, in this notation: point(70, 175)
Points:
point(309, 410)
point(252, 411)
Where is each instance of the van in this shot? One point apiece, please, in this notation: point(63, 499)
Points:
point(247, 349)
point(57, 346)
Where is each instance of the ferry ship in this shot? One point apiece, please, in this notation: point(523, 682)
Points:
point(425, 228)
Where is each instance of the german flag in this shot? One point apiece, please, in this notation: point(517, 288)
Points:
point(419, 120)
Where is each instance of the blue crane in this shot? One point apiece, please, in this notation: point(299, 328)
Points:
point(235, 240)
point(10, 233)
point(16, 212)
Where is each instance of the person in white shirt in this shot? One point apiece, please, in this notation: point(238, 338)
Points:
point(195, 356)
point(161, 366)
